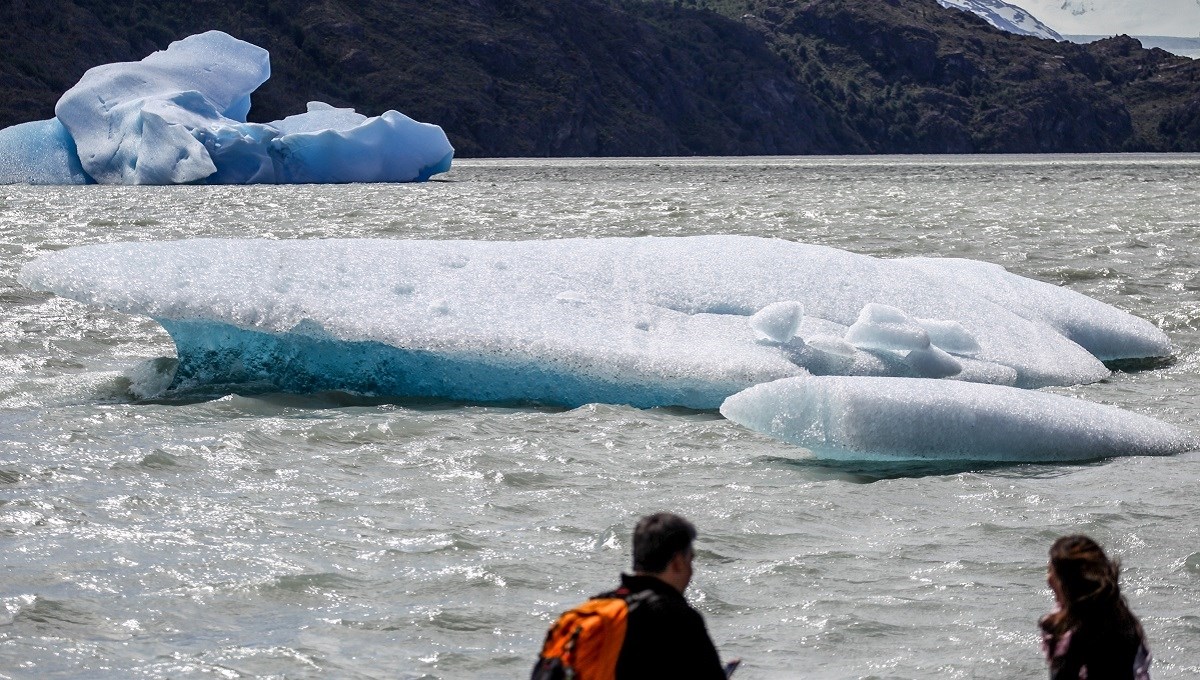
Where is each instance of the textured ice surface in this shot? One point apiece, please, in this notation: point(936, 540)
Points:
point(778, 322)
point(643, 321)
point(179, 116)
point(886, 328)
point(339, 145)
point(843, 418)
point(40, 152)
point(144, 122)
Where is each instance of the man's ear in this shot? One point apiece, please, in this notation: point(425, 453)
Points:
point(674, 563)
point(678, 561)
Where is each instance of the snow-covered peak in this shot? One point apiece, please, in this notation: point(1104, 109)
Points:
point(1005, 16)
point(1180, 18)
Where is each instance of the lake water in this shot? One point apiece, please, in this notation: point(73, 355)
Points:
point(329, 535)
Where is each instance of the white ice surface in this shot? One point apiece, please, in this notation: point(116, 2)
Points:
point(179, 116)
point(637, 311)
point(841, 418)
point(136, 122)
point(778, 321)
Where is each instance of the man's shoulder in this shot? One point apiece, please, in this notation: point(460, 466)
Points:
point(651, 598)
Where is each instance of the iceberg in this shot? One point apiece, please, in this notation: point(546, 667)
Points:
point(328, 145)
point(640, 321)
point(179, 116)
point(40, 152)
point(893, 419)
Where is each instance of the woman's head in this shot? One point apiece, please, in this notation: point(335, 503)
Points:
point(1083, 578)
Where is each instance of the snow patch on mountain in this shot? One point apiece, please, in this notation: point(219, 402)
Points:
point(1005, 17)
point(1179, 18)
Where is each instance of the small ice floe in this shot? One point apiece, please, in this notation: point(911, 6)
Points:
point(950, 336)
point(777, 322)
point(883, 327)
point(870, 418)
point(932, 362)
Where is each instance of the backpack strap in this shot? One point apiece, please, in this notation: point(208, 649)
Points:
point(631, 598)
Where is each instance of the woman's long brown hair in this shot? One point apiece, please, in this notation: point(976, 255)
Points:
point(1091, 594)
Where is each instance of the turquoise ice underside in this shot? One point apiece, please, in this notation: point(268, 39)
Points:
point(212, 353)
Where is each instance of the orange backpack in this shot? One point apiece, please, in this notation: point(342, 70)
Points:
point(585, 642)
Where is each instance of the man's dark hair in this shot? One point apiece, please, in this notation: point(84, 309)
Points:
point(659, 537)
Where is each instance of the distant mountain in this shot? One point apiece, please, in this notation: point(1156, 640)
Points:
point(1005, 17)
point(1011, 18)
point(1184, 47)
point(648, 77)
point(1118, 17)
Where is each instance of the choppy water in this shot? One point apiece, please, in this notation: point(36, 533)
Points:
point(335, 536)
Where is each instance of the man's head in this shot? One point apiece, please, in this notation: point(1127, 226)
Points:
point(662, 547)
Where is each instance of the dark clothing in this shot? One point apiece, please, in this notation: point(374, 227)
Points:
point(664, 636)
point(1097, 655)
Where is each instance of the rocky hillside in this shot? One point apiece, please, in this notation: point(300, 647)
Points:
point(648, 77)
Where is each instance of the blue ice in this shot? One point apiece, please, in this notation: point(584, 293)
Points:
point(304, 362)
point(39, 152)
point(645, 321)
point(179, 116)
point(851, 356)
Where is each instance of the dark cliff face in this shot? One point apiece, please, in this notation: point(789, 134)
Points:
point(524, 77)
point(646, 77)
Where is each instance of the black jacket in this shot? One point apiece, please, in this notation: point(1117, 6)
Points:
point(664, 637)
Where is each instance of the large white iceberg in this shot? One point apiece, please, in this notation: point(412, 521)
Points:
point(840, 418)
point(640, 321)
point(179, 116)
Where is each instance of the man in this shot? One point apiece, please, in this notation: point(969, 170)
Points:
point(665, 637)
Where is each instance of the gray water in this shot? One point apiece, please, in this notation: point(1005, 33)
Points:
point(331, 535)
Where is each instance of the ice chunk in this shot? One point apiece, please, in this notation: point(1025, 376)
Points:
point(831, 345)
point(903, 418)
point(387, 148)
point(950, 336)
point(884, 327)
point(179, 116)
point(778, 322)
point(133, 122)
point(318, 118)
point(40, 152)
point(932, 362)
point(828, 355)
point(554, 324)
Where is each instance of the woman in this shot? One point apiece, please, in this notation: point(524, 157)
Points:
point(1092, 634)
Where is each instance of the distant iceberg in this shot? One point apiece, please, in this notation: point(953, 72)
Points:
point(640, 321)
point(179, 116)
point(901, 419)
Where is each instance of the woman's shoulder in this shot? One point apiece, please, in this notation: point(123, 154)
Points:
point(1056, 645)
